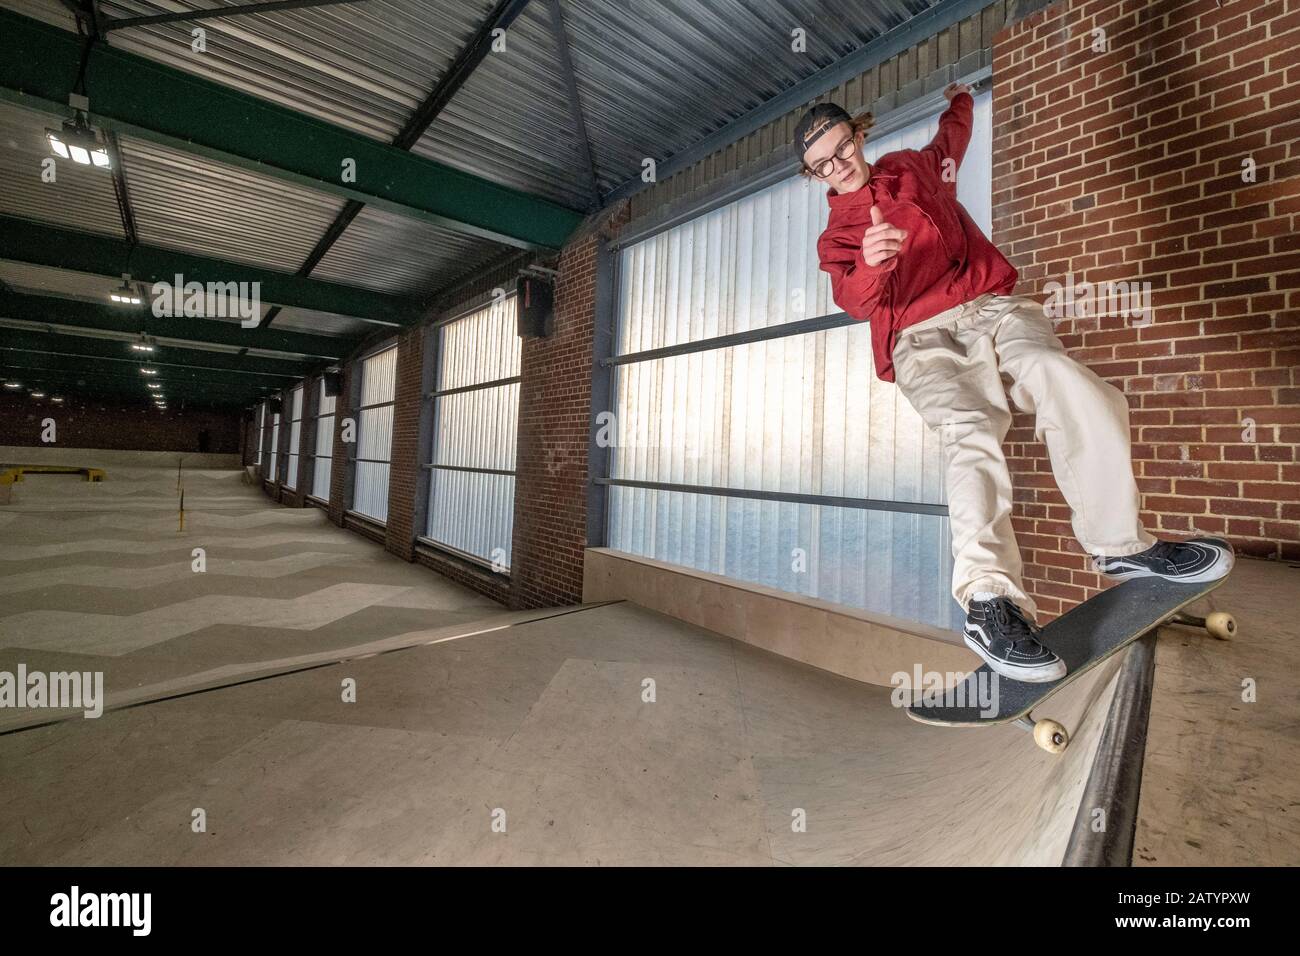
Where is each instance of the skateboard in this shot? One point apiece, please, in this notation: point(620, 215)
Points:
point(1084, 636)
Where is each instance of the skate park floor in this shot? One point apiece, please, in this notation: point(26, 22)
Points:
point(597, 735)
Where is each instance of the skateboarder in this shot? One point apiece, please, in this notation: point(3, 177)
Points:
point(945, 326)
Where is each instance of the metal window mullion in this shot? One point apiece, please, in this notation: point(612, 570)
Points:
point(493, 383)
point(833, 501)
point(734, 339)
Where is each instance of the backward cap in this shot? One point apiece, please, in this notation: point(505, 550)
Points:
point(815, 122)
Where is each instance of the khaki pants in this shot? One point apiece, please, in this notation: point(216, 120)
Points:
point(949, 368)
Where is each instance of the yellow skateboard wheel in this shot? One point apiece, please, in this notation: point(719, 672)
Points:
point(1222, 625)
point(1051, 736)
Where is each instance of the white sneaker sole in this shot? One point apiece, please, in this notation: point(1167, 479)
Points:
point(1222, 565)
point(1038, 674)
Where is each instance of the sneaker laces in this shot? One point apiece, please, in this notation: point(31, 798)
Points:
point(1163, 551)
point(1013, 624)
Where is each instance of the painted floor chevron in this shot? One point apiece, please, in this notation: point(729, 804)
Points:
point(174, 571)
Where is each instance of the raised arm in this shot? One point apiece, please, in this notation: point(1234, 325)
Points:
point(954, 132)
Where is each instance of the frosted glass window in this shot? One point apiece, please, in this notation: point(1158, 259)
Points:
point(323, 459)
point(375, 434)
point(800, 414)
point(295, 435)
point(472, 474)
point(275, 445)
point(261, 431)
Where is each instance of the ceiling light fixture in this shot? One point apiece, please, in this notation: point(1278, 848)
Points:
point(38, 394)
point(77, 140)
point(57, 399)
point(143, 345)
point(148, 371)
point(153, 385)
point(13, 384)
point(126, 293)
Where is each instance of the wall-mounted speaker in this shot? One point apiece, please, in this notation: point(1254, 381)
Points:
point(333, 384)
point(536, 307)
point(273, 406)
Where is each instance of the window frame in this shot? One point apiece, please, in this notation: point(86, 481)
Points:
point(434, 396)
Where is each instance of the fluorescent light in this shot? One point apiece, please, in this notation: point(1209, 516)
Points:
point(13, 384)
point(153, 385)
point(78, 141)
point(57, 398)
point(125, 294)
point(148, 371)
point(38, 394)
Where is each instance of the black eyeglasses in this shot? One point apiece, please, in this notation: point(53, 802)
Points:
point(842, 151)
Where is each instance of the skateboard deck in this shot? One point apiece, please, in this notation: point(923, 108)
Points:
point(1084, 636)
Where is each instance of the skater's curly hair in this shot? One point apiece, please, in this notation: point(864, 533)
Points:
point(861, 123)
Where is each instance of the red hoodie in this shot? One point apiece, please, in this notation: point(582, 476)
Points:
point(945, 259)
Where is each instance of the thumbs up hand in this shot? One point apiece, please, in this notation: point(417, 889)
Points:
point(881, 241)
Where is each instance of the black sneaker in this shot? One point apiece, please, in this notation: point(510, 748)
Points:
point(999, 632)
point(1190, 562)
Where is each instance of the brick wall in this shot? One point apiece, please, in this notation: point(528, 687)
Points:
point(119, 426)
point(1127, 165)
point(404, 472)
point(550, 528)
point(248, 440)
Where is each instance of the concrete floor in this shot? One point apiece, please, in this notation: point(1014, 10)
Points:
point(532, 721)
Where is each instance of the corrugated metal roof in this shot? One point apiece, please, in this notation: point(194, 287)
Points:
point(390, 253)
point(510, 122)
point(42, 280)
point(81, 197)
point(48, 11)
point(194, 204)
point(362, 66)
point(654, 76)
point(320, 323)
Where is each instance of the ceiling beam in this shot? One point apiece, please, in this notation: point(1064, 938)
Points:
point(112, 351)
point(23, 240)
point(61, 381)
point(48, 310)
point(40, 368)
point(135, 96)
point(575, 102)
